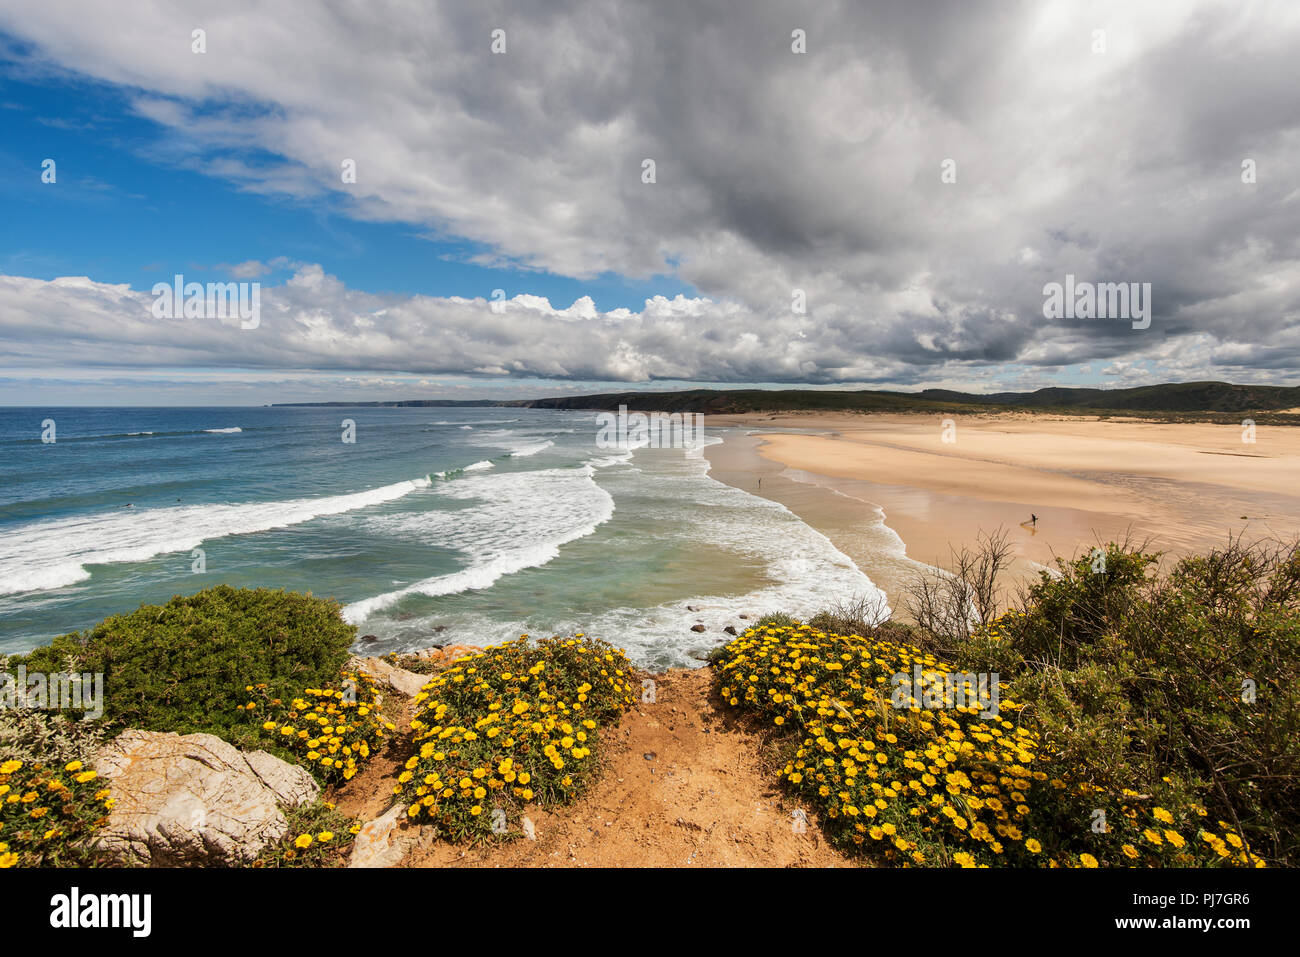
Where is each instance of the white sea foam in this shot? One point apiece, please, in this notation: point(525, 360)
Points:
point(515, 443)
point(533, 449)
point(224, 431)
point(514, 521)
point(800, 570)
point(475, 422)
point(51, 554)
point(479, 466)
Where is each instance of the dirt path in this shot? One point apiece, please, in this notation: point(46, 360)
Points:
point(702, 799)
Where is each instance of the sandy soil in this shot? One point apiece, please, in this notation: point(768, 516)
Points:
point(1181, 487)
point(702, 799)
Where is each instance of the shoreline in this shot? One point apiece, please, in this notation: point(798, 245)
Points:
point(866, 481)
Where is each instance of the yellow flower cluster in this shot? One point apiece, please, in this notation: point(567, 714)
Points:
point(515, 724)
point(44, 812)
point(319, 836)
point(918, 785)
point(334, 730)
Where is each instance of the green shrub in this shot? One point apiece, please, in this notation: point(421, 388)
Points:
point(1176, 690)
point(183, 666)
point(331, 731)
point(775, 619)
point(319, 835)
point(517, 723)
point(48, 813)
point(32, 736)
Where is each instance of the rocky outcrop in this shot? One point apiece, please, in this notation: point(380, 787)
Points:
point(383, 842)
point(403, 680)
point(195, 800)
point(445, 655)
point(399, 679)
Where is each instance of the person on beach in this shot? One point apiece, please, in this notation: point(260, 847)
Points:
point(1033, 519)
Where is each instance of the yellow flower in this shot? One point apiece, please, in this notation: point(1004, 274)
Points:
point(1088, 860)
point(1033, 846)
point(9, 767)
point(303, 840)
point(325, 836)
point(73, 766)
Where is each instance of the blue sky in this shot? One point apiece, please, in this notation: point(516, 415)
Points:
point(123, 214)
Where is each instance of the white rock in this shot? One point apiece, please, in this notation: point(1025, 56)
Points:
point(195, 799)
point(383, 842)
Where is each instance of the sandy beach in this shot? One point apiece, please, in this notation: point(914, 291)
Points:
point(890, 492)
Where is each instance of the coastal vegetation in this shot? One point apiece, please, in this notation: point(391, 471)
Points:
point(1147, 719)
point(184, 666)
point(47, 810)
point(516, 724)
point(1168, 402)
point(333, 731)
point(1110, 713)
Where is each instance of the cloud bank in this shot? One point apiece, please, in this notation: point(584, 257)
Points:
point(1114, 156)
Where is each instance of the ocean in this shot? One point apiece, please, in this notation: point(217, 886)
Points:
point(471, 525)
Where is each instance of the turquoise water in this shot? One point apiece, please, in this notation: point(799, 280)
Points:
point(472, 525)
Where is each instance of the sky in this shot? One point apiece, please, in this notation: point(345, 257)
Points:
point(558, 198)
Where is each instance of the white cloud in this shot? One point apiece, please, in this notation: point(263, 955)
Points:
point(775, 171)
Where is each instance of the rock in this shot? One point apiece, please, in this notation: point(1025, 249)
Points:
point(692, 607)
point(730, 629)
point(438, 630)
point(746, 617)
point(292, 784)
point(400, 680)
point(369, 637)
point(383, 842)
point(530, 830)
point(195, 800)
point(650, 755)
point(697, 628)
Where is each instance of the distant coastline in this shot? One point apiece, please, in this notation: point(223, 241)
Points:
point(1174, 401)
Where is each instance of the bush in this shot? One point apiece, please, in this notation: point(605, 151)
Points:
point(50, 737)
point(915, 781)
point(183, 666)
point(318, 836)
point(1178, 690)
point(48, 813)
point(860, 615)
point(777, 619)
point(518, 723)
point(343, 726)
